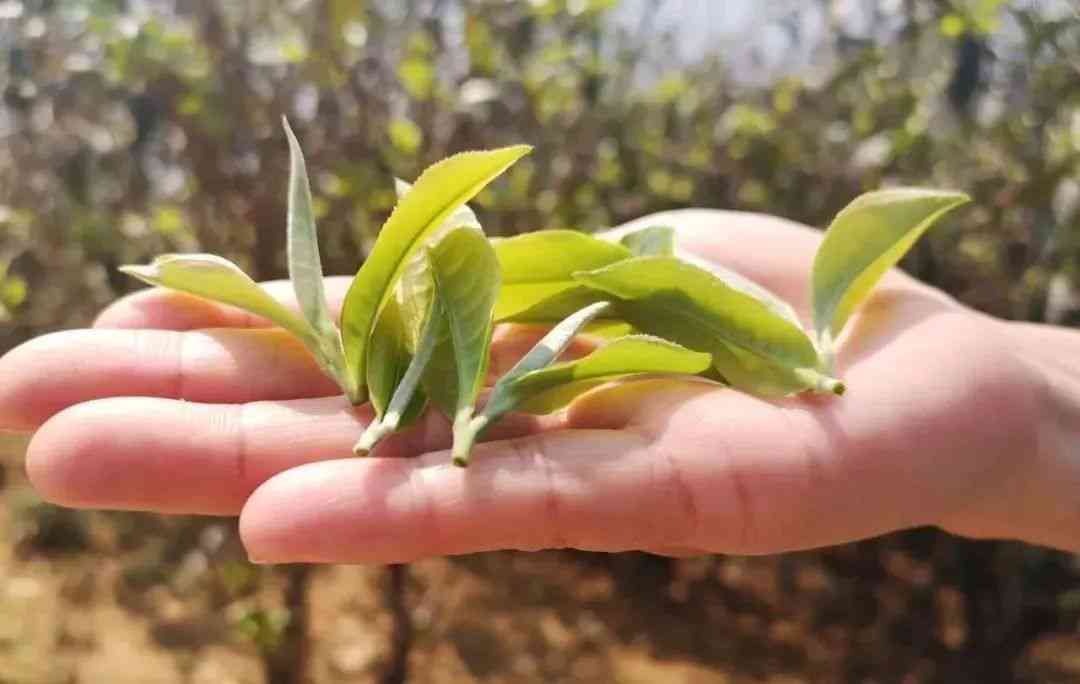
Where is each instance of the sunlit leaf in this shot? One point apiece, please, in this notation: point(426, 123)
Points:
point(538, 284)
point(543, 354)
point(669, 297)
point(305, 266)
point(466, 276)
point(220, 280)
point(550, 389)
point(866, 239)
point(439, 191)
point(395, 375)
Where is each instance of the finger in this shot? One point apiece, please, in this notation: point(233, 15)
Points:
point(52, 372)
point(163, 309)
point(663, 465)
point(181, 457)
point(531, 493)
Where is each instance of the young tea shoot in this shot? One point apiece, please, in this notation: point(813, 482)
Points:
point(220, 280)
point(864, 241)
point(416, 325)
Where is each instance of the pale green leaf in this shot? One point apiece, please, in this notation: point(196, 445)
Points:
point(406, 397)
point(866, 239)
point(305, 265)
point(550, 389)
point(305, 270)
point(650, 241)
point(440, 190)
point(466, 275)
point(220, 280)
point(669, 297)
point(743, 284)
point(502, 398)
point(388, 356)
point(543, 354)
point(538, 284)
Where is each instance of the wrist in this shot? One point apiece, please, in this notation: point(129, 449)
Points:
point(1038, 500)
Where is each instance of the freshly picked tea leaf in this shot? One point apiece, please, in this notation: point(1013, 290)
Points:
point(439, 191)
point(754, 347)
point(866, 239)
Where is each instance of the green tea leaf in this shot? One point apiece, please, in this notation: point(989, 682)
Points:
point(388, 356)
point(305, 266)
point(502, 398)
point(407, 399)
point(538, 284)
point(462, 216)
point(651, 241)
point(542, 355)
point(220, 280)
point(466, 276)
point(752, 346)
point(305, 270)
point(550, 389)
point(866, 239)
point(440, 190)
point(743, 284)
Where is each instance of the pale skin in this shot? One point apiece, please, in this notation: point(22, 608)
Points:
point(951, 418)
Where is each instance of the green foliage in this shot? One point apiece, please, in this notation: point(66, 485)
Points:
point(865, 240)
point(442, 189)
point(542, 355)
point(753, 348)
point(552, 388)
point(538, 283)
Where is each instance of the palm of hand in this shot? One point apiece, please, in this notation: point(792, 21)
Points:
point(937, 413)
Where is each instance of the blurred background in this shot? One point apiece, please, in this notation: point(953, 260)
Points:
point(129, 128)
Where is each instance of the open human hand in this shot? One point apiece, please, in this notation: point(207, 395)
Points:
point(951, 418)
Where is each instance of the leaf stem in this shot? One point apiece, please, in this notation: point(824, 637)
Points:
point(466, 429)
point(374, 433)
point(821, 383)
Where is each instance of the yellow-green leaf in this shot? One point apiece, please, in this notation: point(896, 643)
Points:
point(220, 280)
point(305, 265)
point(466, 276)
point(439, 191)
point(538, 284)
point(543, 354)
point(550, 389)
point(866, 239)
point(305, 270)
point(669, 297)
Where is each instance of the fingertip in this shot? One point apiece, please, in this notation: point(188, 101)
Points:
point(54, 463)
point(22, 406)
point(330, 511)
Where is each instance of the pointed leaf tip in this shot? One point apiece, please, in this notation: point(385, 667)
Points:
point(865, 240)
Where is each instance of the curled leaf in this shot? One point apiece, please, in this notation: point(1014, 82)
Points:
point(305, 269)
point(466, 276)
point(866, 239)
point(503, 398)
